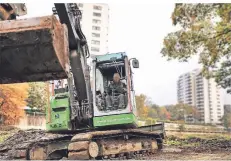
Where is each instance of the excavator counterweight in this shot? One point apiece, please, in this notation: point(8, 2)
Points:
point(34, 49)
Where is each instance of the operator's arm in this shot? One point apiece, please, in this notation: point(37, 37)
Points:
point(124, 87)
point(109, 89)
point(121, 88)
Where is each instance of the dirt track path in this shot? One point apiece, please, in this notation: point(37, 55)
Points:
point(169, 154)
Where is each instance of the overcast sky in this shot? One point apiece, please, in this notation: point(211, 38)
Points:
point(139, 30)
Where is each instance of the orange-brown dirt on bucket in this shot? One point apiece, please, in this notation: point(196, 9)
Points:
point(34, 49)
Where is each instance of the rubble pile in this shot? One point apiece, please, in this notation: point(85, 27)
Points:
point(203, 145)
point(19, 140)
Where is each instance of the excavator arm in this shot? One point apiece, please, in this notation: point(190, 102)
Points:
point(70, 14)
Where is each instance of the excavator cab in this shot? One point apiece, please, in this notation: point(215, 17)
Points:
point(104, 67)
point(104, 77)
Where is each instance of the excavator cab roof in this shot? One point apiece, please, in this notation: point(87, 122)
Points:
point(109, 57)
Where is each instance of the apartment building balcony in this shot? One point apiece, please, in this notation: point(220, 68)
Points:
point(200, 101)
point(199, 97)
point(188, 99)
point(199, 82)
point(188, 94)
point(200, 104)
point(200, 108)
point(199, 86)
point(199, 91)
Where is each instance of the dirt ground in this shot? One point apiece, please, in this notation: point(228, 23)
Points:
point(169, 155)
point(216, 147)
point(176, 147)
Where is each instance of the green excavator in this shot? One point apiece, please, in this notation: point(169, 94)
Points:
point(79, 126)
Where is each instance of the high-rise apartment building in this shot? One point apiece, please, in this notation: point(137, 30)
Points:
point(95, 26)
point(202, 93)
point(185, 90)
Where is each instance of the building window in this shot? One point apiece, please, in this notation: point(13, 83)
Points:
point(96, 42)
point(97, 7)
point(95, 35)
point(94, 49)
point(97, 14)
point(80, 5)
point(96, 28)
point(96, 21)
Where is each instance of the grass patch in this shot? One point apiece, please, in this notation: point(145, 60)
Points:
point(208, 136)
point(6, 132)
point(4, 137)
point(185, 135)
point(180, 143)
point(173, 142)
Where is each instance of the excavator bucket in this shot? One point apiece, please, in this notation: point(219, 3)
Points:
point(34, 49)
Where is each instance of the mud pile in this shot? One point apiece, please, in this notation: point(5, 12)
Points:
point(19, 141)
point(203, 145)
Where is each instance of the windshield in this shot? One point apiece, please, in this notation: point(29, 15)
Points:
point(110, 95)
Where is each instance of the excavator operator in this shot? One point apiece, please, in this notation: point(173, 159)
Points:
point(116, 90)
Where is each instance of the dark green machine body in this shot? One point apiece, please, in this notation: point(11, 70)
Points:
point(58, 118)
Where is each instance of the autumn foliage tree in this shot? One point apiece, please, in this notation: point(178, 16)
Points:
point(144, 110)
point(204, 30)
point(140, 104)
point(176, 112)
point(12, 99)
point(164, 114)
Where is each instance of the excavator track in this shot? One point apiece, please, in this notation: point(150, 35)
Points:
point(116, 144)
point(113, 144)
point(32, 144)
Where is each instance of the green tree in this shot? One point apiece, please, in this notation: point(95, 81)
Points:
point(205, 29)
point(164, 114)
point(227, 120)
point(178, 111)
point(175, 113)
point(182, 127)
point(152, 113)
point(156, 108)
point(38, 95)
